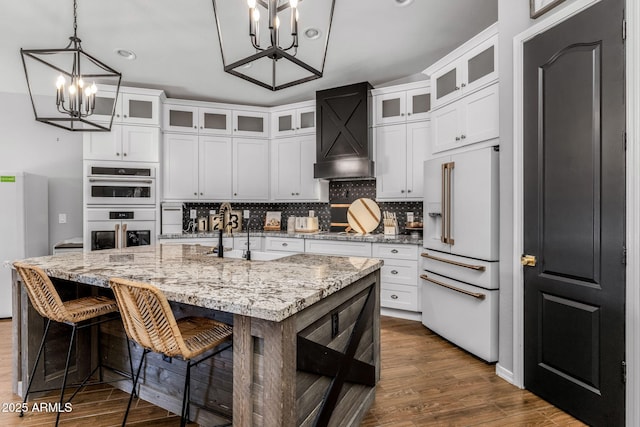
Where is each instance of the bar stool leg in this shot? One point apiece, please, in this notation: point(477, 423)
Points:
point(66, 371)
point(35, 365)
point(186, 396)
point(133, 390)
point(135, 382)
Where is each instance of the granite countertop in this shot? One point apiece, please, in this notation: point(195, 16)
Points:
point(322, 235)
point(271, 290)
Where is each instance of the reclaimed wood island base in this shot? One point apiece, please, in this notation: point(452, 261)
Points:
point(306, 333)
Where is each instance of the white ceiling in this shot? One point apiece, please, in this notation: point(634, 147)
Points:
point(177, 48)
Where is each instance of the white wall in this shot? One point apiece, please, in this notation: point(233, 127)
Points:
point(513, 18)
point(30, 146)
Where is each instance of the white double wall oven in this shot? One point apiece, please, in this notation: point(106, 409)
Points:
point(120, 205)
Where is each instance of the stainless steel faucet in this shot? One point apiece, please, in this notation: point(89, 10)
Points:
point(224, 208)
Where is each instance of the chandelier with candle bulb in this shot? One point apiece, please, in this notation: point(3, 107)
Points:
point(75, 97)
point(273, 51)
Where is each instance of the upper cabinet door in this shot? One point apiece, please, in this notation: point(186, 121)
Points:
point(250, 169)
point(474, 69)
point(418, 104)
point(306, 120)
point(283, 123)
point(105, 101)
point(140, 143)
point(180, 167)
point(214, 163)
point(250, 123)
point(180, 118)
point(215, 121)
point(390, 108)
point(140, 109)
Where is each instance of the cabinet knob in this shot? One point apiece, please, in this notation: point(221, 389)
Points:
point(463, 84)
point(401, 114)
point(235, 194)
point(117, 115)
point(124, 154)
point(408, 114)
point(285, 244)
point(125, 116)
point(195, 194)
point(394, 271)
point(457, 138)
point(394, 251)
point(402, 191)
point(463, 136)
point(293, 194)
point(394, 296)
point(235, 130)
point(201, 194)
point(408, 191)
point(457, 87)
point(297, 194)
point(196, 127)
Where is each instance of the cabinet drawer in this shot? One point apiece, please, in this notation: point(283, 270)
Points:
point(402, 297)
point(399, 271)
point(386, 250)
point(465, 315)
point(481, 273)
point(324, 247)
point(284, 244)
point(255, 243)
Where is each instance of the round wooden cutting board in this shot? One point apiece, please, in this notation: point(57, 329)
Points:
point(363, 215)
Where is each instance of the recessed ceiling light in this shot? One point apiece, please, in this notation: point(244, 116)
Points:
point(127, 54)
point(312, 33)
point(402, 3)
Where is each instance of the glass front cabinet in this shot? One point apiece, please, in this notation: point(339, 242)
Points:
point(410, 104)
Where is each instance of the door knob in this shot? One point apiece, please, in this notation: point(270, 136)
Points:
point(528, 260)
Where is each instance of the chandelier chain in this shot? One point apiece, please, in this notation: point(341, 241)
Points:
point(75, 19)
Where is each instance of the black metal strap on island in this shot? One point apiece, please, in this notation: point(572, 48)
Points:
point(343, 367)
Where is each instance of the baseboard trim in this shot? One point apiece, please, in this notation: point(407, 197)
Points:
point(401, 314)
point(505, 374)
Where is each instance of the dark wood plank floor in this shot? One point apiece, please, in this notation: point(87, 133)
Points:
point(426, 381)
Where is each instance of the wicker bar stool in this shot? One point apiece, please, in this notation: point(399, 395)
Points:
point(78, 313)
point(149, 321)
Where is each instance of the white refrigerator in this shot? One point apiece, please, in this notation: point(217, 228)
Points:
point(24, 225)
point(460, 281)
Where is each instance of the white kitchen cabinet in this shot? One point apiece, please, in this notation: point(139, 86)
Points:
point(194, 119)
point(402, 103)
point(255, 243)
point(196, 167)
point(465, 221)
point(292, 178)
point(132, 106)
point(296, 121)
point(471, 119)
point(401, 150)
point(468, 68)
point(250, 169)
point(284, 244)
point(398, 276)
point(338, 248)
point(250, 123)
point(123, 142)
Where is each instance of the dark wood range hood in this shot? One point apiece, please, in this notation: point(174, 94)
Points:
point(343, 139)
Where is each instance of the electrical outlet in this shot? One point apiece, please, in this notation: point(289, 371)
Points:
point(62, 218)
point(193, 214)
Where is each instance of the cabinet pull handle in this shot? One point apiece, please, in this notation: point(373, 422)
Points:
point(394, 271)
point(453, 288)
point(285, 244)
point(463, 136)
point(463, 84)
point(394, 296)
point(459, 264)
point(457, 138)
point(142, 181)
point(117, 227)
point(394, 251)
point(457, 88)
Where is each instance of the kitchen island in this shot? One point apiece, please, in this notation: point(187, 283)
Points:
point(306, 346)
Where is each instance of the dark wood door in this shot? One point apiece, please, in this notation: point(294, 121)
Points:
point(574, 215)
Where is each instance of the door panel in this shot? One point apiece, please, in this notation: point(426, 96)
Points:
point(574, 215)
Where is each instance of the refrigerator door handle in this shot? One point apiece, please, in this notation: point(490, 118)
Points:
point(451, 165)
point(476, 295)
point(124, 235)
point(446, 203)
point(443, 208)
point(117, 227)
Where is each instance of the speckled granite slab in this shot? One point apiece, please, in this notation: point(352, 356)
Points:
point(271, 290)
point(323, 235)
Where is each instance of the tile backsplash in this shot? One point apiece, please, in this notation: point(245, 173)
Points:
point(339, 192)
